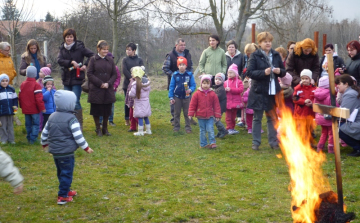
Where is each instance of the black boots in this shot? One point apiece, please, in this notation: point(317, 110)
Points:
point(221, 128)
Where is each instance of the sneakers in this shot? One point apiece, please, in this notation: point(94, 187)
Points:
point(223, 134)
point(240, 124)
point(64, 200)
point(112, 124)
point(72, 193)
point(249, 131)
point(232, 131)
point(255, 147)
point(213, 146)
point(127, 122)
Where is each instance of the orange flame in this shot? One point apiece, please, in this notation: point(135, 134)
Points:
point(307, 180)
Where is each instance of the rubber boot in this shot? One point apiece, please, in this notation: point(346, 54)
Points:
point(79, 116)
point(97, 124)
point(148, 129)
point(221, 128)
point(140, 131)
point(320, 147)
point(330, 148)
point(105, 125)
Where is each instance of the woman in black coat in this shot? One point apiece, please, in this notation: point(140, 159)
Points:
point(353, 63)
point(264, 68)
point(338, 61)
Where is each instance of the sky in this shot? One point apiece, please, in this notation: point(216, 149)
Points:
point(342, 8)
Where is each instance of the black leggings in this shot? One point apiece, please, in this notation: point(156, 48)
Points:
point(126, 108)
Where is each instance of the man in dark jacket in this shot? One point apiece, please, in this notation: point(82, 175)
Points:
point(170, 66)
point(131, 60)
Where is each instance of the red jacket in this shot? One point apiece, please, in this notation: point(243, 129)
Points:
point(204, 105)
point(31, 97)
point(301, 93)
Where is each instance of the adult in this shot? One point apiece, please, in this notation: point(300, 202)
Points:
point(338, 61)
point(290, 46)
point(264, 68)
point(248, 50)
point(304, 57)
point(234, 56)
point(283, 54)
point(7, 65)
point(131, 60)
point(32, 55)
point(349, 131)
point(102, 75)
point(353, 63)
point(72, 53)
point(170, 66)
point(213, 59)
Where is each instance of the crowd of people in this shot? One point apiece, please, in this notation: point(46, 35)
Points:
point(240, 85)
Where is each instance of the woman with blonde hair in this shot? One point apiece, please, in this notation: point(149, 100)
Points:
point(7, 65)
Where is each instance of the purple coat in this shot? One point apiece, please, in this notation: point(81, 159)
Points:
point(322, 96)
point(142, 105)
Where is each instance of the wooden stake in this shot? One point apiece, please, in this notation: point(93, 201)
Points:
point(324, 43)
point(316, 39)
point(253, 33)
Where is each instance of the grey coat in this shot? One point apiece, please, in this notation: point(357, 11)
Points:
point(351, 102)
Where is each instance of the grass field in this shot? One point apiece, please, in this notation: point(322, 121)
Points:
point(164, 177)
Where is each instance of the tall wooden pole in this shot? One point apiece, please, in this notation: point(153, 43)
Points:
point(253, 33)
point(335, 127)
point(324, 43)
point(316, 39)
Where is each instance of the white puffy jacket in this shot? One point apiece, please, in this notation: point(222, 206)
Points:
point(8, 171)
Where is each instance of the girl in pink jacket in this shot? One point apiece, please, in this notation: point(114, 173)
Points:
point(233, 87)
point(249, 112)
point(322, 96)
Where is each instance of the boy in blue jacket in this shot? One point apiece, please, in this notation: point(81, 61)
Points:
point(182, 85)
point(48, 92)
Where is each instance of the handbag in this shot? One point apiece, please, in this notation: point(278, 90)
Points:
point(85, 85)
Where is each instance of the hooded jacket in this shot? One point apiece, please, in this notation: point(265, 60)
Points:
point(142, 106)
point(8, 99)
point(322, 96)
point(31, 97)
point(234, 95)
point(64, 59)
point(49, 102)
point(238, 59)
point(301, 93)
point(177, 88)
point(204, 105)
point(7, 67)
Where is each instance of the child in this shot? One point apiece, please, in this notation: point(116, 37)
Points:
point(31, 103)
point(44, 72)
point(322, 96)
point(129, 101)
point(63, 135)
point(48, 98)
point(10, 173)
point(205, 106)
point(221, 94)
point(8, 102)
point(285, 84)
point(303, 98)
point(234, 88)
point(182, 84)
point(140, 91)
point(242, 119)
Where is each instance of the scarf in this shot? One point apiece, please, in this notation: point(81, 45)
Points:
point(68, 47)
point(37, 64)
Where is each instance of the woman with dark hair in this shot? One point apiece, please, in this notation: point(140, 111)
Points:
point(72, 53)
point(338, 61)
point(234, 56)
point(213, 59)
point(349, 131)
point(353, 63)
point(304, 57)
point(32, 55)
point(102, 75)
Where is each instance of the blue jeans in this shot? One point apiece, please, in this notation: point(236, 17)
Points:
point(77, 90)
point(355, 144)
point(111, 118)
point(65, 170)
point(32, 125)
point(206, 126)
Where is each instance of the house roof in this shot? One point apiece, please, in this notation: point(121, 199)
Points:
point(26, 27)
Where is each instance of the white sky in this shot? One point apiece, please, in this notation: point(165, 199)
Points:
point(342, 8)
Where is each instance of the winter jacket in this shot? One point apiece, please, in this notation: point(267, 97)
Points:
point(213, 61)
point(48, 98)
point(259, 98)
point(245, 98)
point(118, 79)
point(177, 88)
point(142, 106)
point(204, 105)
point(100, 71)
point(301, 93)
point(234, 95)
point(338, 62)
point(351, 102)
point(238, 59)
point(221, 94)
point(7, 67)
point(25, 62)
point(65, 57)
point(8, 99)
point(170, 68)
point(295, 64)
point(8, 171)
point(288, 97)
point(31, 97)
point(127, 64)
point(353, 67)
point(322, 96)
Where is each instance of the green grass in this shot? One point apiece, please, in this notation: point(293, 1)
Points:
point(164, 177)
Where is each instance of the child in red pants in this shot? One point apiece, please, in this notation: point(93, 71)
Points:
point(249, 112)
point(130, 103)
point(233, 87)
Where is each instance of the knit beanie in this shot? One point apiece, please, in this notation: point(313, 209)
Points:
point(205, 77)
point(137, 72)
point(286, 80)
point(110, 55)
point(4, 76)
point(221, 76)
point(306, 72)
point(31, 72)
point(233, 67)
point(48, 78)
point(181, 60)
point(324, 82)
point(46, 71)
